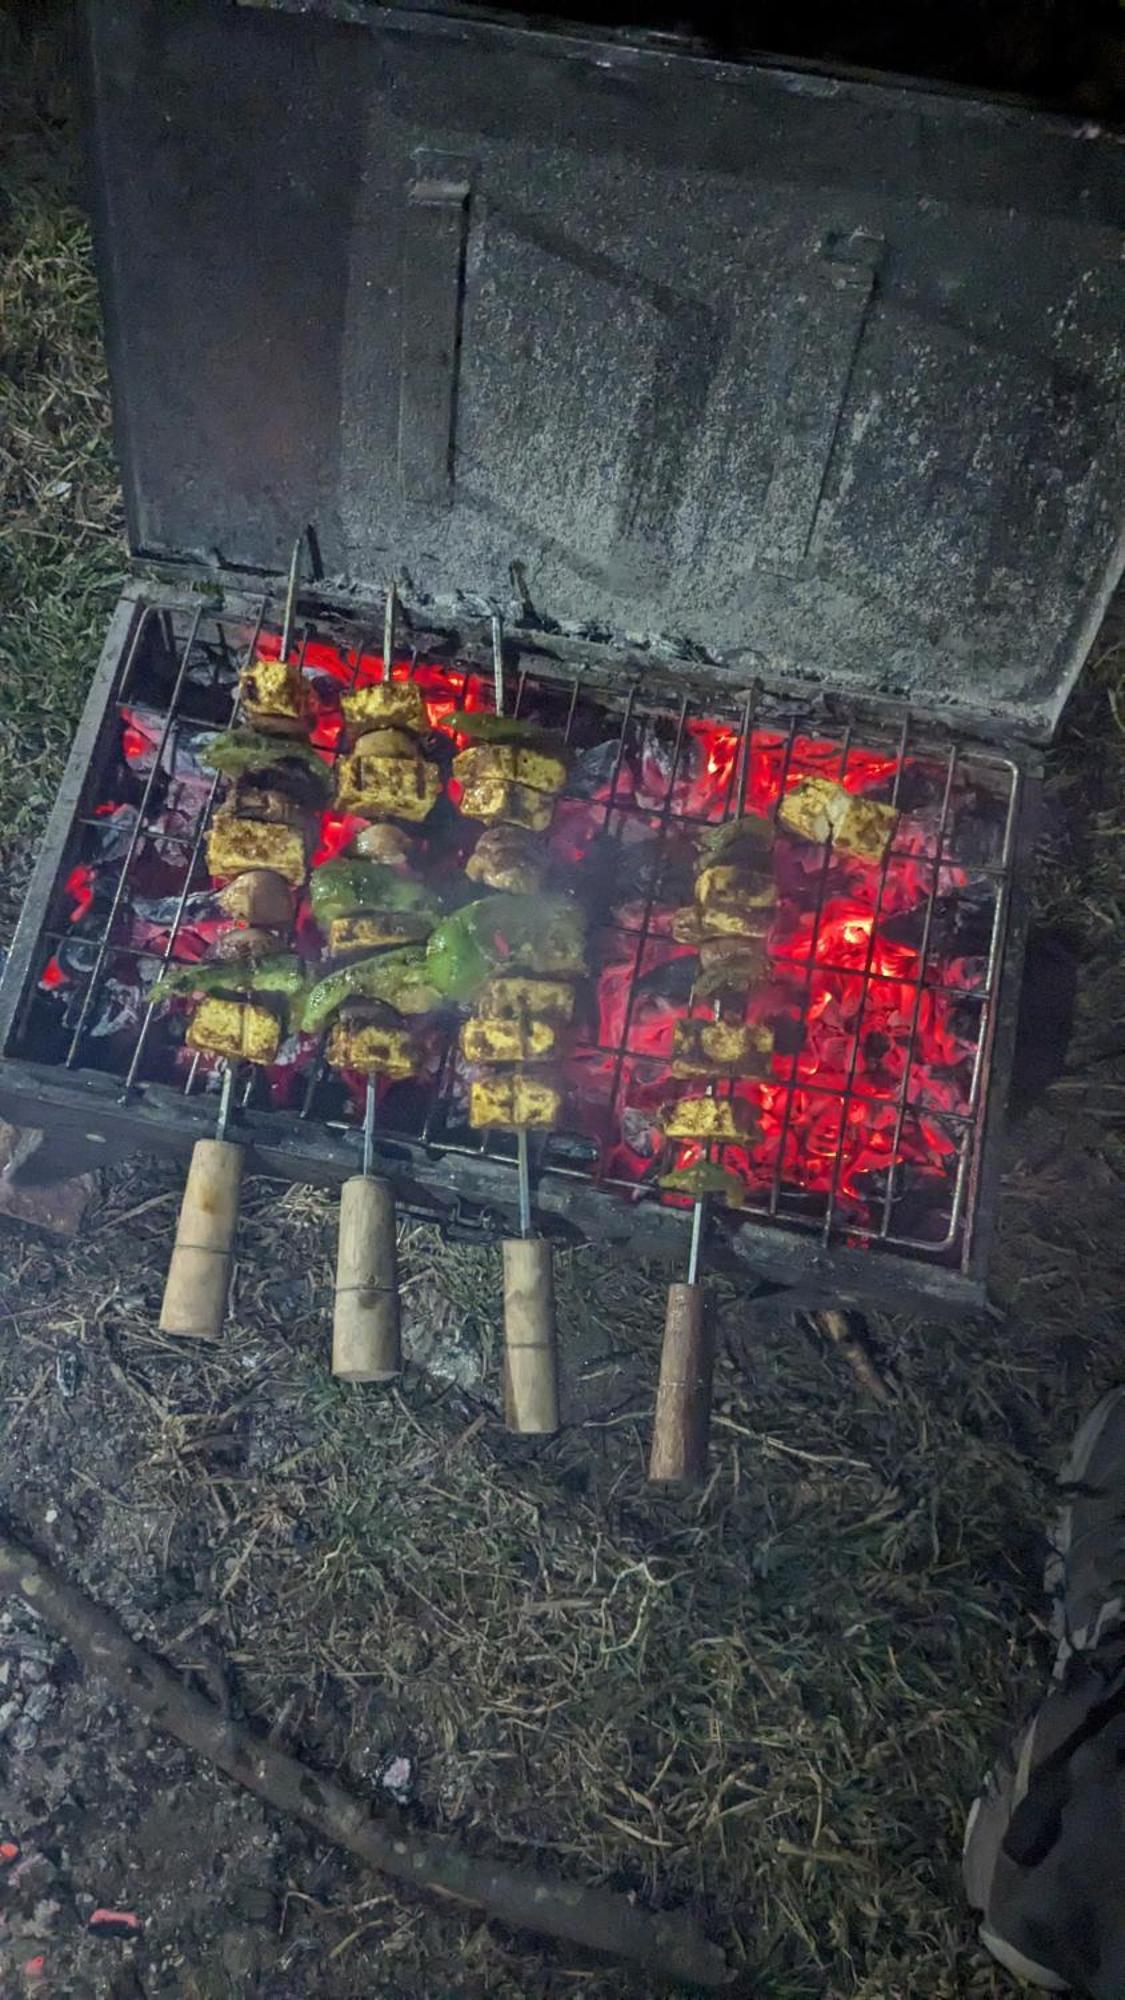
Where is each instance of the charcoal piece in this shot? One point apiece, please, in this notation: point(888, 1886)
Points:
point(961, 926)
point(111, 832)
point(593, 770)
point(672, 980)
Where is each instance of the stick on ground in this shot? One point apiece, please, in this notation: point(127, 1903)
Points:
point(593, 1918)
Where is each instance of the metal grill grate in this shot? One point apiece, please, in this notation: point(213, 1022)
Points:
point(959, 807)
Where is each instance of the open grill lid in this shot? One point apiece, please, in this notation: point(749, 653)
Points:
point(801, 376)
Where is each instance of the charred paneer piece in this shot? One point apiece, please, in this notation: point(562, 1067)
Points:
point(515, 1098)
point(497, 799)
point(274, 696)
point(510, 764)
point(388, 787)
point(385, 705)
point(727, 885)
point(511, 997)
point(487, 1040)
point(692, 925)
point(234, 845)
point(723, 1119)
point(374, 930)
point(508, 857)
point(819, 809)
point(721, 1048)
point(374, 1048)
point(237, 1029)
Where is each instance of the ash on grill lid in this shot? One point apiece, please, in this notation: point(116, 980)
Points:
point(811, 376)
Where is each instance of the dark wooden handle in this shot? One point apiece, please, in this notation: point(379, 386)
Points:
point(366, 1344)
point(683, 1399)
point(195, 1293)
point(531, 1387)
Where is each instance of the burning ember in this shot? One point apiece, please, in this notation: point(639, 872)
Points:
point(873, 993)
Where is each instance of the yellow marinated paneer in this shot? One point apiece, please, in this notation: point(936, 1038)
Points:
point(691, 925)
point(491, 1041)
point(374, 1049)
point(819, 809)
point(234, 845)
point(510, 763)
point(494, 799)
point(727, 885)
point(385, 705)
point(235, 1028)
point(275, 696)
point(514, 1098)
point(717, 1118)
point(540, 770)
point(356, 937)
point(388, 787)
point(721, 1048)
point(511, 997)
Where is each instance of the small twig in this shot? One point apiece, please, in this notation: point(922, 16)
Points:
point(595, 1919)
point(835, 1328)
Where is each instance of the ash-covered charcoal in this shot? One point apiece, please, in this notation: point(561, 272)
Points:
point(76, 955)
point(108, 838)
point(657, 757)
point(140, 741)
point(118, 1009)
point(961, 925)
point(626, 870)
point(592, 773)
point(641, 1132)
point(976, 831)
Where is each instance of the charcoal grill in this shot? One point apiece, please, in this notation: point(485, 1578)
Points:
point(765, 419)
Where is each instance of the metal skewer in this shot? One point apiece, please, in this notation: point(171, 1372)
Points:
point(531, 1385)
point(366, 1319)
point(682, 1421)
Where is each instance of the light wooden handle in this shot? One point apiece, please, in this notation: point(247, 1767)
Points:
point(366, 1343)
point(195, 1294)
point(683, 1399)
point(531, 1385)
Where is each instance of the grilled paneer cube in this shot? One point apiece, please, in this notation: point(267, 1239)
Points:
point(496, 799)
point(235, 1028)
point(375, 1049)
point(510, 763)
point(274, 696)
point(385, 705)
point(514, 1098)
point(508, 857)
point(237, 844)
point(721, 1048)
point(691, 925)
point(717, 1118)
point(539, 770)
point(511, 997)
point(392, 787)
point(375, 930)
point(819, 809)
point(724, 884)
point(522, 1040)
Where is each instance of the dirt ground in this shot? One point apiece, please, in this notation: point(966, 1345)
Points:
point(771, 1703)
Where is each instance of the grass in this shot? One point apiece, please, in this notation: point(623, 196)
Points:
point(773, 1700)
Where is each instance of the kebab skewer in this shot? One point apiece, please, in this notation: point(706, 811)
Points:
point(369, 908)
point(734, 899)
point(258, 839)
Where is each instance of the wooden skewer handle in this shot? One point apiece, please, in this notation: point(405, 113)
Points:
point(366, 1337)
point(683, 1398)
point(531, 1383)
point(195, 1294)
